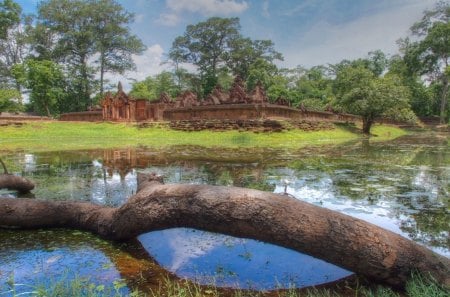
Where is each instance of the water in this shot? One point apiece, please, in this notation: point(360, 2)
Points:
point(402, 186)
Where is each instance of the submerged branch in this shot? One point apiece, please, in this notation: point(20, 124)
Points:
point(5, 171)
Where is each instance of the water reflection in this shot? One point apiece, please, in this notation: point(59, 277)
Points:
point(232, 262)
point(30, 260)
point(402, 186)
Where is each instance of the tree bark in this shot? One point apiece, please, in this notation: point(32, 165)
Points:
point(367, 124)
point(348, 242)
point(13, 182)
point(443, 109)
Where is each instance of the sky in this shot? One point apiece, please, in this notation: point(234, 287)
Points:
point(306, 32)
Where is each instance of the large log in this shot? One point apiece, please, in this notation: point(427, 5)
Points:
point(348, 242)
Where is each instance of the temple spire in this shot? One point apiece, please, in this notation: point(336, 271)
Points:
point(119, 87)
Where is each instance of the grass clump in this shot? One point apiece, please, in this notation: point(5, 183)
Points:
point(418, 286)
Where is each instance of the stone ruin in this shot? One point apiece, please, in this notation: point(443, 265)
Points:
point(121, 107)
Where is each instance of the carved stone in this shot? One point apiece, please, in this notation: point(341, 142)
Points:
point(258, 95)
point(237, 92)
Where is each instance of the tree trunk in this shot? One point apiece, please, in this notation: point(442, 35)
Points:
point(334, 237)
point(48, 111)
point(443, 111)
point(13, 182)
point(102, 72)
point(367, 124)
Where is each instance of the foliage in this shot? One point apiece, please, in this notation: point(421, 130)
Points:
point(9, 16)
point(9, 100)
point(423, 102)
point(114, 42)
point(153, 86)
point(206, 43)
point(45, 80)
point(73, 32)
point(430, 54)
point(246, 53)
point(12, 43)
point(215, 46)
point(360, 92)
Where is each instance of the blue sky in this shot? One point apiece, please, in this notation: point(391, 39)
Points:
point(306, 32)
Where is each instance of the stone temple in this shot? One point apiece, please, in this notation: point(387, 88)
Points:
point(235, 104)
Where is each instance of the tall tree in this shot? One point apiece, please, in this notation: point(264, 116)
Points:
point(76, 32)
point(12, 43)
point(216, 46)
point(430, 55)
point(114, 42)
point(206, 43)
point(73, 26)
point(423, 102)
point(246, 52)
point(9, 16)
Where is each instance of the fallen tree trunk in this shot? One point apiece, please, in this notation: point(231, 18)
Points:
point(334, 237)
point(14, 182)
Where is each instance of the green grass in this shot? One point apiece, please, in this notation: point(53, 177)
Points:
point(47, 136)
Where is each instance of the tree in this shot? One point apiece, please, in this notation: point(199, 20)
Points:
point(71, 24)
point(430, 55)
point(9, 100)
point(114, 42)
point(246, 52)
point(360, 92)
point(423, 102)
point(313, 88)
point(9, 16)
point(45, 80)
point(12, 43)
point(206, 43)
point(153, 86)
point(216, 46)
point(74, 32)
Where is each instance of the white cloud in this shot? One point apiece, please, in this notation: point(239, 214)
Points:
point(300, 7)
point(168, 19)
point(207, 7)
point(328, 43)
point(139, 18)
point(149, 63)
point(265, 9)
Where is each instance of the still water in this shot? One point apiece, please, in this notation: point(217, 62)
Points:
point(402, 186)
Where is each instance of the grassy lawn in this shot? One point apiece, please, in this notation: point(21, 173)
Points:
point(38, 136)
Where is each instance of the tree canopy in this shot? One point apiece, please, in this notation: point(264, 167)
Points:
point(216, 45)
point(360, 92)
point(430, 54)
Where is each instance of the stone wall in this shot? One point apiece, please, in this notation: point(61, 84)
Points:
point(264, 125)
point(251, 111)
point(85, 116)
point(7, 116)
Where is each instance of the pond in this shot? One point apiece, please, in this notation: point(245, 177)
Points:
point(402, 185)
